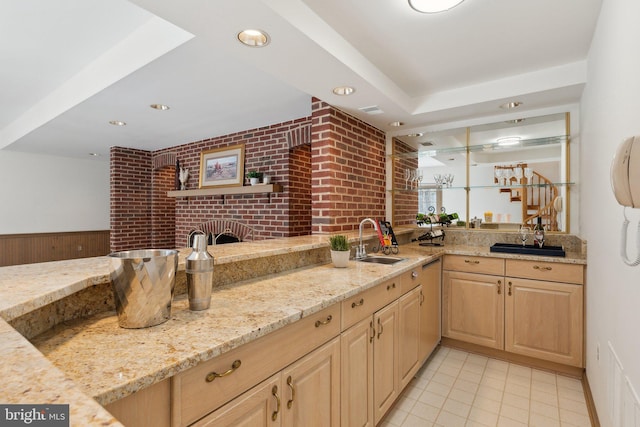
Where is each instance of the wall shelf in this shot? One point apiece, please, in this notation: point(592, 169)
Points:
point(226, 191)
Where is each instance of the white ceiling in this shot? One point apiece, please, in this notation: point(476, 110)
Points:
point(68, 67)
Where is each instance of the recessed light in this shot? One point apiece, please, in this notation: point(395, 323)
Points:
point(95, 154)
point(508, 140)
point(343, 90)
point(117, 123)
point(254, 38)
point(514, 121)
point(433, 6)
point(396, 124)
point(160, 107)
point(415, 135)
point(513, 104)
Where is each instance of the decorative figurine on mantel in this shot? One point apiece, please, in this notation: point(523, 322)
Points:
point(184, 176)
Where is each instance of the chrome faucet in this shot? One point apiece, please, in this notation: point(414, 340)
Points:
point(361, 252)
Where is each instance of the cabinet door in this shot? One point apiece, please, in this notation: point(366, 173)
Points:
point(430, 317)
point(357, 374)
point(385, 360)
point(408, 336)
point(544, 320)
point(261, 406)
point(312, 388)
point(474, 308)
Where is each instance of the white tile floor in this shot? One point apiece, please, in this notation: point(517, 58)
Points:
point(455, 388)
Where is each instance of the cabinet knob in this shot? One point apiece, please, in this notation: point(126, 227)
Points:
point(414, 274)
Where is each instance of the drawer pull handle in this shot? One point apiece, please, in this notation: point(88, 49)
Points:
point(293, 392)
point(380, 328)
point(469, 261)
point(213, 375)
point(391, 286)
point(323, 322)
point(537, 267)
point(421, 297)
point(373, 331)
point(274, 392)
point(357, 304)
point(510, 288)
point(499, 287)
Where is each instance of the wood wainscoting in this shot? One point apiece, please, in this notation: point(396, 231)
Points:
point(42, 247)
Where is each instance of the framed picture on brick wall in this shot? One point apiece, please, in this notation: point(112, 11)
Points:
point(222, 167)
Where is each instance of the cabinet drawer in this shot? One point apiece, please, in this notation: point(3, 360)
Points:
point(364, 304)
point(552, 271)
point(194, 397)
point(474, 264)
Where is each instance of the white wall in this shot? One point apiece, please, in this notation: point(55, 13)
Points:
point(42, 193)
point(610, 111)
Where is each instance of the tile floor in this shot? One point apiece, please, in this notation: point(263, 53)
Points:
point(455, 388)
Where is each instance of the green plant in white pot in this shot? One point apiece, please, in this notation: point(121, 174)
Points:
point(254, 177)
point(340, 250)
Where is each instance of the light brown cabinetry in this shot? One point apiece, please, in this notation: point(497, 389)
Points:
point(385, 360)
point(307, 393)
point(430, 308)
point(532, 308)
point(409, 335)
point(209, 385)
point(149, 406)
point(356, 363)
point(388, 344)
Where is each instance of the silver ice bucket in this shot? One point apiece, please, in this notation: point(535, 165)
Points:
point(143, 282)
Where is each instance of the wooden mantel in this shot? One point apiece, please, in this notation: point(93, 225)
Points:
point(225, 191)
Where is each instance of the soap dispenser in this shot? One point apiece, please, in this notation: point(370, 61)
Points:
point(199, 269)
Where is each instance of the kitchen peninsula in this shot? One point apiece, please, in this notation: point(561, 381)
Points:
point(269, 284)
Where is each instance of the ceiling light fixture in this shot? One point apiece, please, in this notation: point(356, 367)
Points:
point(396, 124)
point(160, 107)
point(508, 140)
point(433, 6)
point(509, 105)
point(117, 123)
point(415, 135)
point(254, 38)
point(343, 90)
point(95, 154)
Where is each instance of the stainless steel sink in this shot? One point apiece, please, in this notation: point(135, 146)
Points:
point(387, 260)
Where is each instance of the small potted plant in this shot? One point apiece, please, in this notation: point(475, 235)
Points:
point(340, 250)
point(254, 177)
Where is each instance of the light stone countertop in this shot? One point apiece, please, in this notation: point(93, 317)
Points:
point(96, 358)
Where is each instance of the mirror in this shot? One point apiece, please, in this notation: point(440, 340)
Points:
point(497, 176)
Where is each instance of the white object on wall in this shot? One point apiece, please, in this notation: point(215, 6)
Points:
point(625, 180)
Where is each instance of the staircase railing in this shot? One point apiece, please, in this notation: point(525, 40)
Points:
point(536, 197)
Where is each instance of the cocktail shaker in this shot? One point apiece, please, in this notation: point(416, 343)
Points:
point(199, 269)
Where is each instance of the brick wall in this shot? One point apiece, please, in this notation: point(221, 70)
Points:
point(266, 150)
point(348, 170)
point(329, 185)
point(405, 203)
point(300, 190)
point(130, 199)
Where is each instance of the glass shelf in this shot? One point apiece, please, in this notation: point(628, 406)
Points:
point(524, 143)
point(496, 186)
